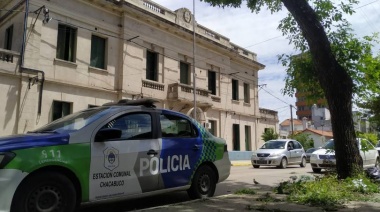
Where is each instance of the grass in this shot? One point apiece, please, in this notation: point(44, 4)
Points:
point(248, 191)
point(328, 192)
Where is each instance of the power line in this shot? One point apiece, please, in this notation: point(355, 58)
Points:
point(22, 11)
point(264, 41)
point(281, 107)
point(366, 4)
point(275, 96)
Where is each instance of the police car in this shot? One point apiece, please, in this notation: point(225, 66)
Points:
point(117, 151)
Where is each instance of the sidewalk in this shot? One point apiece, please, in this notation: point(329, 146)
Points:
point(262, 201)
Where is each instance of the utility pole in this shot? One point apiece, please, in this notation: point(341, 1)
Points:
point(194, 77)
point(291, 119)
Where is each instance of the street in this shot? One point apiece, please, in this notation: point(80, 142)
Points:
point(240, 177)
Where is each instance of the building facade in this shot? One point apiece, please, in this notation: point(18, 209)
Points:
point(286, 127)
point(304, 107)
point(77, 54)
point(319, 137)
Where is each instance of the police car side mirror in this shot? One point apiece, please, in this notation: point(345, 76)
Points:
point(107, 134)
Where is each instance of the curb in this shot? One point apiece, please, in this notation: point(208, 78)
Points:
point(184, 203)
point(241, 163)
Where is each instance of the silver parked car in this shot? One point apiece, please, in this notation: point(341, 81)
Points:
point(280, 153)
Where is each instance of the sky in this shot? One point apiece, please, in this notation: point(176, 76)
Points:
point(258, 33)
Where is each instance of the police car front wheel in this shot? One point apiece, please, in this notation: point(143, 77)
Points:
point(46, 191)
point(203, 184)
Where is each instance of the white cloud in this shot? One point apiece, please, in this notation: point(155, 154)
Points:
point(258, 33)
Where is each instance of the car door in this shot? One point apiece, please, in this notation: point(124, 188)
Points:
point(295, 152)
point(368, 152)
point(298, 152)
point(291, 152)
point(127, 164)
point(181, 147)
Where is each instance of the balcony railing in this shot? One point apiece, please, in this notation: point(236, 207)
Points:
point(155, 7)
point(7, 55)
point(186, 92)
point(9, 60)
point(268, 114)
point(153, 85)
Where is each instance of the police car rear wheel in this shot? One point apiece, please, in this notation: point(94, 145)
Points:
point(204, 183)
point(45, 192)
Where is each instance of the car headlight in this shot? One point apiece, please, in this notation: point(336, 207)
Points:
point(5, 158)
point(275, 154)
point(254, 155)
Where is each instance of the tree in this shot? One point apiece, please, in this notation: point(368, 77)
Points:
point(304, 139)
point(355, 55)
point(269, 134)
point(305, 28)
point(372, 137)
point(372, 105)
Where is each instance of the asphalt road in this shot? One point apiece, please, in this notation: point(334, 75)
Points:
point(240, 177)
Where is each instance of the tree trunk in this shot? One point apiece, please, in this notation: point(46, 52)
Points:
point(336, 84)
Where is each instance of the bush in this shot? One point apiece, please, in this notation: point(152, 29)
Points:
point(372, 137)
point(304, 139)
point(269, 134)
point(328, 191)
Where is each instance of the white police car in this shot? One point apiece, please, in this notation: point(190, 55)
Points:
point(117, 151)
point(324, 158)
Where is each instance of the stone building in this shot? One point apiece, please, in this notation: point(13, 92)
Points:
point(77, 54)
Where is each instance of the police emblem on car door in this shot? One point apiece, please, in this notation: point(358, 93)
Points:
point(121, 146)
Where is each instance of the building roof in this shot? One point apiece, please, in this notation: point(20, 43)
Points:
point(287, 122)
point(319, 132)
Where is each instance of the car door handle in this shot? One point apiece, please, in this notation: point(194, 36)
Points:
point(196, 147)
point(151, 152)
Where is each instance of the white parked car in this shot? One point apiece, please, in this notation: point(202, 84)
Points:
point(280, 153)
point(324, 158)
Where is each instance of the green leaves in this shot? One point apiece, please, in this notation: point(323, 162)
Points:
point(329, 192)
point(354, 54)
point(304, 139)
point(269, 134)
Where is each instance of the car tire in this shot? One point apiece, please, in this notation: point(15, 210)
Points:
point(256, 166)
point(283, 163)
point(203, 184)
point(303, 162)
point(315, 170)
point(46, 191)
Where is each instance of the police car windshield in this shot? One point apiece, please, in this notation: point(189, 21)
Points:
point(274, 145)
point(73, 122)
point(329, 144)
